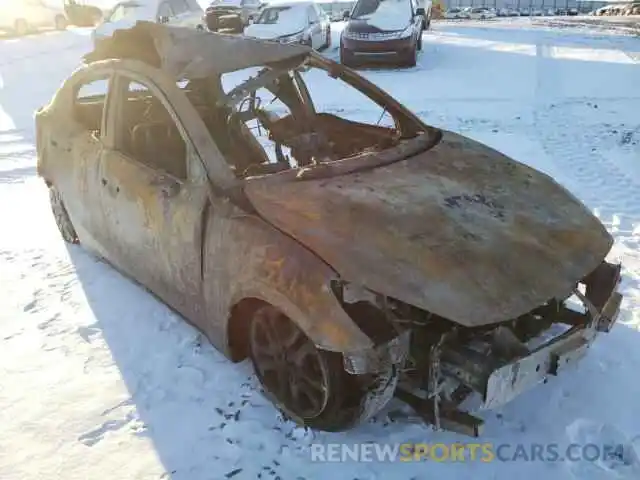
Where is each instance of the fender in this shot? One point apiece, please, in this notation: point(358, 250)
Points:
point(247, 258)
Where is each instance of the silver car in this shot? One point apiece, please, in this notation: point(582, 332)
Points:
point(124, 15)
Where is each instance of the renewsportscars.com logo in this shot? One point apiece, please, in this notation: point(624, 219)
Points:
point(473, 452)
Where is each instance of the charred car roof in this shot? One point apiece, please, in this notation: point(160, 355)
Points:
point(189, 53)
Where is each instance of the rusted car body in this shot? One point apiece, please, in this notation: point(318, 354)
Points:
point(401, 261)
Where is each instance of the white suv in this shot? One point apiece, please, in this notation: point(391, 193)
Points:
point(23, 16)
point(185, 13)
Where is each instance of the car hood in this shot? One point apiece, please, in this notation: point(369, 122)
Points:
point(358, 25)
point(459, 230)
point(266, 32)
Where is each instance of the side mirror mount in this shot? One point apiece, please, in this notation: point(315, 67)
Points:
point(346, 15)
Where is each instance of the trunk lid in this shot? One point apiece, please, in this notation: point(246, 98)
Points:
point(460, 230)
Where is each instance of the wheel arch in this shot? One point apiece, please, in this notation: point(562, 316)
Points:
point(329, 326)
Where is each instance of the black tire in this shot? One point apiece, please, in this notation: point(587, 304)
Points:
point(276, 344)
point(20, 27)
point(327, 44)
point(61, 22)
point(61, 216)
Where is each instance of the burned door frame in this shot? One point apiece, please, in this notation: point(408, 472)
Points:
point(83, 149)
point(154, 217)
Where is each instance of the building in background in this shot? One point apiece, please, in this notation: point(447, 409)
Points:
point(544, 5)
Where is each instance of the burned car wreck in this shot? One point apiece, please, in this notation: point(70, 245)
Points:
point(350, 262)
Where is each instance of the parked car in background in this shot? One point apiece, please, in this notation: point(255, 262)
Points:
point(453, 13)
point(426, 7)
point(481, 14)
point(382, 30)
point(82, 14)
point(336, 10)
point(185, 13)
point(232, 15)
point(20, 17)
point(465, 12)
point(293, 22)
point(536, 12)
point(572, 11)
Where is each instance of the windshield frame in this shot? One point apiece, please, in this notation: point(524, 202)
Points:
point(356, 15)
point(412, 135)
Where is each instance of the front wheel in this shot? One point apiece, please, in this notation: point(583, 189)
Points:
point(307, 384)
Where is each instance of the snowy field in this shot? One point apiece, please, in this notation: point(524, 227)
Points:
point(100, 380)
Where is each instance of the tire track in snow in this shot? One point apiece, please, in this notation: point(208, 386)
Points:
point(601, 184)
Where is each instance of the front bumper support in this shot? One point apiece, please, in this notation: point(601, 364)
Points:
point(499, 377)
point(519, 375)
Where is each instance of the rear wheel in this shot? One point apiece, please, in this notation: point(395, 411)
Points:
point(21, 27)
point(62, 217)
point(307, 384)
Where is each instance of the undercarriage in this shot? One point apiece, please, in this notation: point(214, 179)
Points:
point(442, 363)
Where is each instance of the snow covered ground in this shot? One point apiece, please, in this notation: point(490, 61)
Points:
point(98, 379)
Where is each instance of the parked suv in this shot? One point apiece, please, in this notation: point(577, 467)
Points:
point(293, 21)
point(231, 14)
point(23, 16)
point(383, 30)
point(185, 13)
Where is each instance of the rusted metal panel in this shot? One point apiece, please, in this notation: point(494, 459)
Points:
point(154, 237)
point(244, 257)
point(459, 230)
point(188, 53)
point(158, 241)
